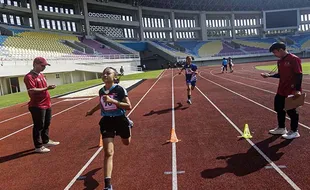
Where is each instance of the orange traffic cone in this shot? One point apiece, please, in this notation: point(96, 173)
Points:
point(100, 141)
point(173, 137)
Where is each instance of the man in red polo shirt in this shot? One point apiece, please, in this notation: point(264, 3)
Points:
point(290, 74)
point(39, 105)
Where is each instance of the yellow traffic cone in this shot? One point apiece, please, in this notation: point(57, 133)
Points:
point(246, 132)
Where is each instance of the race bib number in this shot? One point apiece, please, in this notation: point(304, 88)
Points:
point(108, 106)
point(188, 71)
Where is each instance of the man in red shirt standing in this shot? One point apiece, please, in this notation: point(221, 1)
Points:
point(39, 105)
point(290, 74)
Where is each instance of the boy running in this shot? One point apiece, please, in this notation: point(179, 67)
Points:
point(224, 65)
point(230, 64)
point(190, 77)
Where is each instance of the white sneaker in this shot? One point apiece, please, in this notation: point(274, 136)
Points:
point(189, 101)
point(130, 122)
point(278, 131)
point(51, 143)
point(291, 135)
point(42, 150)
point(108, 188)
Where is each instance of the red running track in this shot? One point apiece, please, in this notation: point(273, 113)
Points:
point(209, 155)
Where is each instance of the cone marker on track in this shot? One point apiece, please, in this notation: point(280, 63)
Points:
point(173, 137)
point(100, 141)
point(246, 132)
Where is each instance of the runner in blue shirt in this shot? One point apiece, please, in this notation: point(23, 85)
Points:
point(224, 65)
point(190, 77)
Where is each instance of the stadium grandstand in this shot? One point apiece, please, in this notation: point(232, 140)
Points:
point(81, 37)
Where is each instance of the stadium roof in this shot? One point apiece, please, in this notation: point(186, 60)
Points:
point(221, 5)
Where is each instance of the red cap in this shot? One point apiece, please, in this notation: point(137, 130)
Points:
point(41, 61)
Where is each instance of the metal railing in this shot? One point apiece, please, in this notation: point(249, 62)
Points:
point(22, 59)
point(24, 56)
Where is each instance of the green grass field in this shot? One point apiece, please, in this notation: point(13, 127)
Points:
point(305, 67)
point(22, 97)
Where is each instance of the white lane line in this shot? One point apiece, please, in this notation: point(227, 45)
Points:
point(254, 146)
point(99, 149)
point(303, 125)
point(75, 99)
point(304, 78)
point(174, 148)
point(261, 81)
point(2, 138)
point(248, 85)
point(24, 114)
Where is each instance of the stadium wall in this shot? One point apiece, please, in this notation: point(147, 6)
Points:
point(60, 72)
point(239, 60)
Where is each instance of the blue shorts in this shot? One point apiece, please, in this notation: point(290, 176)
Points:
point(193, 83)
point(189, 80)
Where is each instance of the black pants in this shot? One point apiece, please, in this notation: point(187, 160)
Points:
point(279, 102)
point(224, 68)
point(41, 121)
